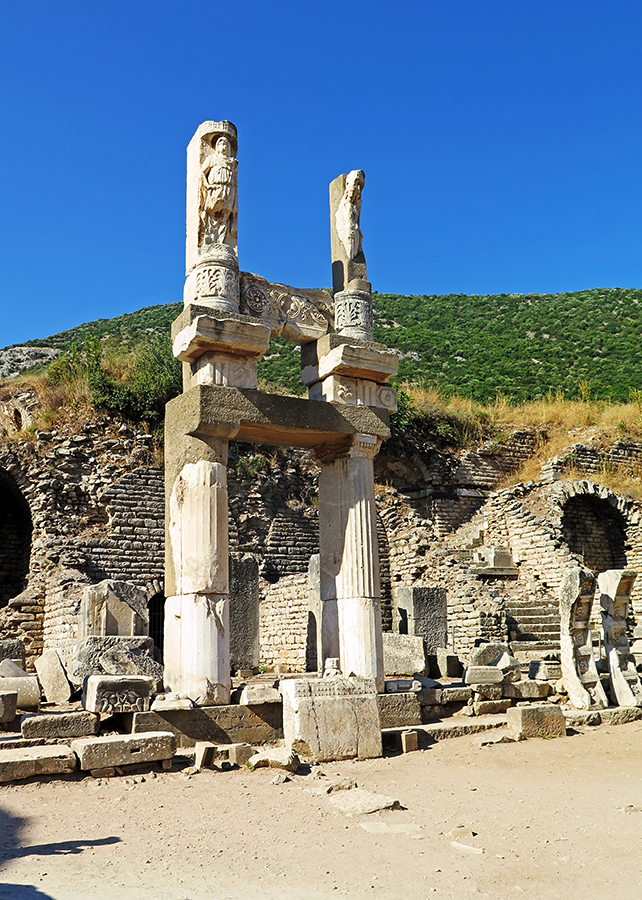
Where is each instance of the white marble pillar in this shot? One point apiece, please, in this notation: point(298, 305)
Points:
point(349, 556)
point(197, 641)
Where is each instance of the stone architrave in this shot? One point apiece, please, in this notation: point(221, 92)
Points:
point(212, 218)
point(114, 608)
point(615, 587)
point(350, 556)
point(579, 672)
point(332, 718)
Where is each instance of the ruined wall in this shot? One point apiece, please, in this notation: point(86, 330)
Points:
point(286, 631)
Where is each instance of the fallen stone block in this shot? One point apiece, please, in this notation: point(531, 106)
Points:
point(578, 718)
point(27, 689)
point(487, 654)
point(164, 702)
point(526, 690)
point(509, 666)
point(114, 608)
point(409, 741)
point(429, 697)
point(456, 694)
point(52, 677)
point(483, 675)
point(229, 724)
point(256, 694)
point(328, 785)
point(545, 670)
point(403, 654)
point(397, 710)
point(620, 715)
point(117, 693)
point(107, 772)
point(332, 718)
point(60, 725)
point(360, 802)
point(239, 754)
point(10, 669)
point(25, 762)
point(491, 707)
point(276, 758)
point(123, 749)
point(87, 656)
point(205, 753)
point(448, 664)
point(8, 702)
point(537, 720)
point(487, 691)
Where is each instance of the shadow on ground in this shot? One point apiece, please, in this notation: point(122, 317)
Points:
point(11, 848)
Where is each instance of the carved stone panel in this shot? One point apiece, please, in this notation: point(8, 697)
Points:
point(293, 313)
point(581, 678)
point(615, 593)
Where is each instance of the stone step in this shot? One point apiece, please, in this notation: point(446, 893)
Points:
point(452, 728)
point(535, 645)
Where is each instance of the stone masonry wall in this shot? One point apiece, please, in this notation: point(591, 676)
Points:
point(283, 624)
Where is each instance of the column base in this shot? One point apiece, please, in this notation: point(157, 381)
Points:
point(196, 651)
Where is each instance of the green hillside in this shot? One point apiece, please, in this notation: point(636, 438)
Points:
point(519, 345)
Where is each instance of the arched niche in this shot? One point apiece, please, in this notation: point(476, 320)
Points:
point(595, 530)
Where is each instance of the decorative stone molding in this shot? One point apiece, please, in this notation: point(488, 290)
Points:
point(294, 314)
point(353, 315)
point(355, 391)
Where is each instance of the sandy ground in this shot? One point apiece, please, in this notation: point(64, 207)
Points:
point(557, 818)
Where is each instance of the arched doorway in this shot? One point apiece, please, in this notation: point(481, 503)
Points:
point(595, 530)
point(15, 539)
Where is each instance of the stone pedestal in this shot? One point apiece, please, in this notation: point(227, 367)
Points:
point(350, 557)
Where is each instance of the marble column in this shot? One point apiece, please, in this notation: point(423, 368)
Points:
point(349, 556)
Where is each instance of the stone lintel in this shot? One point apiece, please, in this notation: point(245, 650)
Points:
point(209, 411)
point(230, 335)
point(370, 363)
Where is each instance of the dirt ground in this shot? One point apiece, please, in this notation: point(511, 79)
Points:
point(553, 819)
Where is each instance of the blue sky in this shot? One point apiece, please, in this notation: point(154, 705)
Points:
point(501, 139)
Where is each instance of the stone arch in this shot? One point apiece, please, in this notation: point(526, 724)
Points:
point(15, 538)
point(594, 525)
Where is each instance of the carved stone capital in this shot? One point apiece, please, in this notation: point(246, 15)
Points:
point(353, 314)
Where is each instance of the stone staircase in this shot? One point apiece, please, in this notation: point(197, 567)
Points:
point(534, 620)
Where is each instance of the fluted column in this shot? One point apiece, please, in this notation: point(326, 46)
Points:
point(350, 557)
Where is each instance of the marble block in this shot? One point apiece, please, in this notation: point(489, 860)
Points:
point(123, 749)
point(117, 693)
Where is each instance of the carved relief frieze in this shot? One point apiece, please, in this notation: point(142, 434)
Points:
point(295, 314)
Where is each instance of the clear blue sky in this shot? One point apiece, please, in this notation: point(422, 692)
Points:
point(501, 139)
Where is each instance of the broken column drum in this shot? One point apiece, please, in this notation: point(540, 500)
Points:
point(224, 329)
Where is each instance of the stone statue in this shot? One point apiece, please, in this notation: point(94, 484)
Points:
point(348, 213)
point(218, 194)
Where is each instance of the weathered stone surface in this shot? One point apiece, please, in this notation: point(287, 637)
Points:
point(239, 754)
point(620, 715)
point(25, 762)
point(537, 720)
point(117, 693)
point(221, 724)
point(244, 612)
point(332, 718)
point(403, 654)
point(397, 710)
point(257, 694)
point(123, 749)
point(526, 690)
point(615, 587)
point(483, 675)
point(52, 677)
point(60, 725)
point(114, 608)
point(422, 611)
point(87, 656)
point(487, 654)
point(10, 669)
point(8, 701)
point(544, 670)
point(27, 689)
point(121, 661)
point(580, 717)
point(275, 758)
point(431, 697)
point(509, 666)
point(204, 754)
point(359, 802)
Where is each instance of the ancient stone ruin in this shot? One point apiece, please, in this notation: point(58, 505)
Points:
point(282, 579)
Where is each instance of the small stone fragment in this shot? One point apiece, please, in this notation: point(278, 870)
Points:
point(8, 701)
point(107, 772)
point(204, 754)
point(52, 677)
point(60, 725)
point(360, 802)
point(276, 758)
point(239, 754)
point(281, 778)
point(409, 741)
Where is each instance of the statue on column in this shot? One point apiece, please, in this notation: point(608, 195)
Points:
point(348, 213)
point(218, 194)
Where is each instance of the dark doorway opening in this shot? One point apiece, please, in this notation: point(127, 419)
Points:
point(15, 539)
point(594, 529)
point(156, 609)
